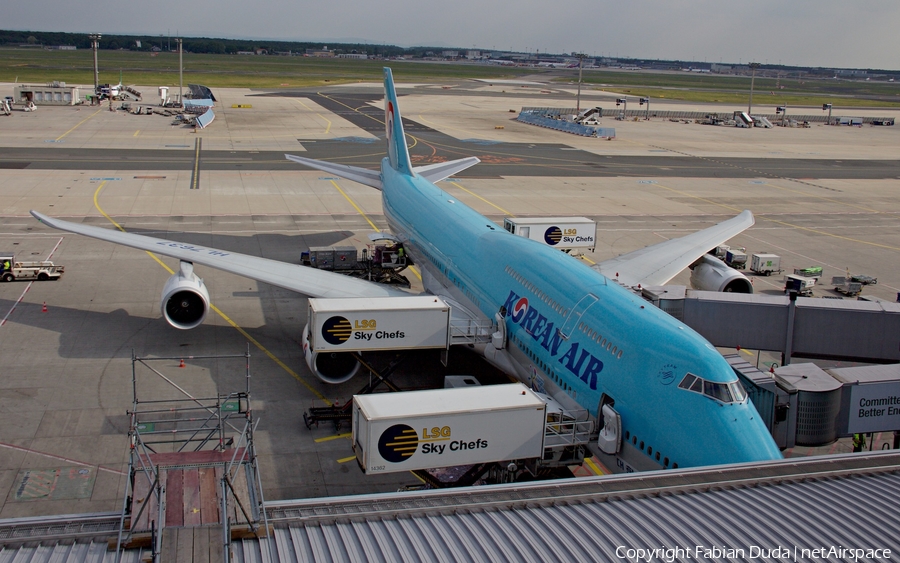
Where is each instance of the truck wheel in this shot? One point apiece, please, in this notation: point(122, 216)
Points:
point(43, 276)
point(8, 277)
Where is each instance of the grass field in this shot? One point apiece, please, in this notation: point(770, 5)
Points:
point(760, 98)
point(224, 71)
point(244, 71)
point(694, 87)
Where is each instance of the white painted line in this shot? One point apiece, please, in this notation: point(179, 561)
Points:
point(19, 300)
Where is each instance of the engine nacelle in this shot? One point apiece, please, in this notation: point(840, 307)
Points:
point(330, 367)
point(711, 274)
point(185, 300)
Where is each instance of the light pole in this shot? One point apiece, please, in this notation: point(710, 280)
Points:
point(753, 67)
point(578, 97)
point(646, 101)
point(95, 44)
point(624, 102)
point(828, 107)
point(180, 73)
point(783, 111)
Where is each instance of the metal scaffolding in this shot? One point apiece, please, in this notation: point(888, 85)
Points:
point(193, 473)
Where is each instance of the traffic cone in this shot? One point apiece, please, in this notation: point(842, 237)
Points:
point(44, 308)
point(181, 365)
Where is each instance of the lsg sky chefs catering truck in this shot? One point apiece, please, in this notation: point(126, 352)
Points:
point(564, 233)
point(447, 427)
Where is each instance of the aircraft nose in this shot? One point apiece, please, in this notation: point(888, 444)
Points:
point(748, 437)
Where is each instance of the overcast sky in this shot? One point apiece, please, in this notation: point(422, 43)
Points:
point(827, 33)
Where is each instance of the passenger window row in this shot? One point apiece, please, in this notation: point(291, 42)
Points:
point(534, 289)
point(649, 451)
point(546, 369)
point(598, 338)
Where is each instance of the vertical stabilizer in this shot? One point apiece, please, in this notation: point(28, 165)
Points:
point(398, 154)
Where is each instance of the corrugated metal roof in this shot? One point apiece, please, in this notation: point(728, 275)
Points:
point(804, 515)
point(847, 501)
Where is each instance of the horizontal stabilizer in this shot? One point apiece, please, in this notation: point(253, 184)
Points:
point(361, 175)
point(443, 170)
point(659, 263)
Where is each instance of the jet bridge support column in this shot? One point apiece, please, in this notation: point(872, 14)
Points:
point(789, 335)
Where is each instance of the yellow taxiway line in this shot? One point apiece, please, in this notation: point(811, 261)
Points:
point(219, 312)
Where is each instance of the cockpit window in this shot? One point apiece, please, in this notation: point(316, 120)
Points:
point(731, 392)
point(718, 391)
point(737, 391)
point(687, 381)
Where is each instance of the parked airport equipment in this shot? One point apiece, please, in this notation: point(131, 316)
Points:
point(864, 279)
point(845, 285)
point(564, 233)
point(388, 323)
point(339, 328)
point(736, 259)
point(380, 263)
point(447, 427)
point(743, 119)
point(765, 264)
point(803, 285)
point(42, 270)
point(811, 272)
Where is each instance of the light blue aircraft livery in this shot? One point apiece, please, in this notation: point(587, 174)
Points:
point(660, 390)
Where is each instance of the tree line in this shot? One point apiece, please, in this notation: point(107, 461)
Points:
point(192, 44)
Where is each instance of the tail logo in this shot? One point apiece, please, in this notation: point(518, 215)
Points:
point(389, 130)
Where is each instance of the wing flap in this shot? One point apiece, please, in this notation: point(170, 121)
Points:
point(659, 263)
point(293, 277)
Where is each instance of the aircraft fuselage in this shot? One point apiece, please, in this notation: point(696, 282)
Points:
point(573, 331)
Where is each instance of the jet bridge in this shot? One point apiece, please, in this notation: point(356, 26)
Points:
point(805, 405)
point(838, 329)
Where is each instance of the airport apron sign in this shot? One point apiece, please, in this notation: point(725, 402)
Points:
point(874, 407)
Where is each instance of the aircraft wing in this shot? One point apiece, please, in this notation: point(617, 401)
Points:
point(294, 277)
point(659, 263)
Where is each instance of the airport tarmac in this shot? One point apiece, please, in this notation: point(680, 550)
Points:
point(65, 382)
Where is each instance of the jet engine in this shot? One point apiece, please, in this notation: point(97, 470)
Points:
point(330, 367)
point(711, 274)
point(185, 300)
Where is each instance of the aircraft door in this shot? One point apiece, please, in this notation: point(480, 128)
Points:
point(498, 339)
point(575, 314)
point(610, 439)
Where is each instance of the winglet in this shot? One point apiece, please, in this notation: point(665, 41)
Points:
point(398, 154)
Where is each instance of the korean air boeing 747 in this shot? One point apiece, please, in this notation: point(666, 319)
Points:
point(572, 331)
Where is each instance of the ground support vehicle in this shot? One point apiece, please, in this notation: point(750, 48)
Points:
point(31, 270)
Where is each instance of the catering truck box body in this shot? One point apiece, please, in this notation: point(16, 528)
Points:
point(558, 232)
point(447, 427)
point(384, 323)
point(766, 264)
